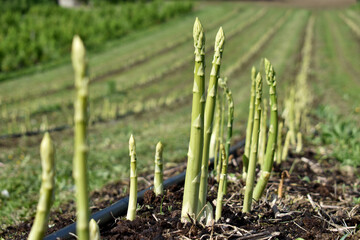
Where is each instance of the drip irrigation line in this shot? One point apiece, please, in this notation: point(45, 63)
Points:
point(108, 215)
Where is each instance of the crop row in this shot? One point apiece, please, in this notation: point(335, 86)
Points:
point(102, 108)
point(353, 26)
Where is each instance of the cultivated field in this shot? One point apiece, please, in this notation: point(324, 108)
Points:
point(142, 84)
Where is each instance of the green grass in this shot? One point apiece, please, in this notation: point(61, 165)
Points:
point(108, 141)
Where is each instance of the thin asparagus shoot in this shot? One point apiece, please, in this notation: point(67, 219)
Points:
point(209, 115)
point(285, 150)
point(299, 142)
point(131, 213)
point(249, 126)
point(254, 147)
point(279, 143)
point(217, 133)
point(159, 173)
point(220, 195)
point(47, 153)
point(272, 135)
point(94, 230)
point(262, 136)
point(80, 173)
point(193, 172)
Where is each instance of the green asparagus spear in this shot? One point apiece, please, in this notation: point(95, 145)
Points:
point(217, 133)
point(249, 126)
point(47, 153)
point(279, 143)
point(94, 230)
point(272, 136)
point(131, 213)
point(262, 135)
point(193, 172)
point(254, 147)
point(159, 174)
point(209, 115)
point(80, 148)
point(286, 146)
point(220, 195)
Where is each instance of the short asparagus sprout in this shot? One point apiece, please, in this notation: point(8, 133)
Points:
point(131, 213)
point(94, 230)
point(262, 136)
point(209, 116)
point(47, 153)
point(220, 195)
point(249, 126)
point(193, 172)
point(80, 148)
point(272, 135)
point(159, 174)
point(254, 147)
point(229, 125)
point(279, 143)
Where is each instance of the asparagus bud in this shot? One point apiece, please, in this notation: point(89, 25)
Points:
point(94, 230)
point(131, 213)
point(249, 126)
point(273, 129)
point(193, 172)
point(80, 146)
point(47, 154)
point(254, 147)
point(220, 195)
point(159, 175)
point(209, 116)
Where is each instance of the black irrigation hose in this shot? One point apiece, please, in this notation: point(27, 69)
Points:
point(107, 215)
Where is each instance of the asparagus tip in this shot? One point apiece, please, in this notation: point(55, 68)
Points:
point(159, 146)
point(131, 143)
point(198, 34)
point(219, 40)
point(46, 147)
point(78, 53)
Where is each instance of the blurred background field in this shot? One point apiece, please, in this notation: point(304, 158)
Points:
point(141, 66)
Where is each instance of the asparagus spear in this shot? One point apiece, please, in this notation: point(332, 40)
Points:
point(80, 147)
point(209, 115)
point(273, 129)
point(279, 143)
point(217, 159)
point(131, 213)
point(192, 179)
point(254, 147)
point(94, 230)
point(159, 174)
point(47, 153)
point(220, 195)
point(262, 135)
point(249, 126)
point(285, 150)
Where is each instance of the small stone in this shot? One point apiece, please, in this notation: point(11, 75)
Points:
point(5, 193)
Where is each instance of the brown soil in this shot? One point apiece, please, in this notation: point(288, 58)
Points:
point(317, 203)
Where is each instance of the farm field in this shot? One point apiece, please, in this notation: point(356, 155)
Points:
point(142, 85)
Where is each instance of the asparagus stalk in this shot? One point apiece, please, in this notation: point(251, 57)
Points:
point(131, 213)
point(47, 153)
point(292, 125)
point(159, 174)
point(94, 230)
point(209, 115)
point(192, 179)
point(273, 129)
point(222, 119)
point(220, 195)
point(299, 145)
point(249, 126)
point(279, 144)
point(80, 147)
point(214, 134)
point(217, 159)
point(262, 135)
point(254, 147)
point(285, 150)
